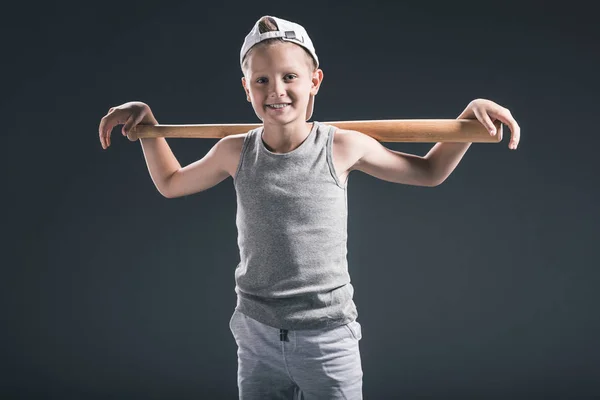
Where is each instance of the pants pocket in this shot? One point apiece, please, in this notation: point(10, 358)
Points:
point(355, 329)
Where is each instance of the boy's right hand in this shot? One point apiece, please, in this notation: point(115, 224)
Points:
point(129, 114)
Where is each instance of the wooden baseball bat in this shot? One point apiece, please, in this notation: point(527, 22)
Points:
point(390, 130)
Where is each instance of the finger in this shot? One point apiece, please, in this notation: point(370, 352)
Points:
point(128, 124)
point(506, 117)
point(108, 122)
point(485, 119)
point(102, 131)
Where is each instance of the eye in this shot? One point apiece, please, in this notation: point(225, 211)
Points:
point(288, 76)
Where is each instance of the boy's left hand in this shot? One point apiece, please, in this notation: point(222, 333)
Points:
point(486, 111)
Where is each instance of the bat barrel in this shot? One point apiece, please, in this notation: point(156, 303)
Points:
point(392, 130)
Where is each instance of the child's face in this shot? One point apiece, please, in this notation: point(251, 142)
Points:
point(280, 73)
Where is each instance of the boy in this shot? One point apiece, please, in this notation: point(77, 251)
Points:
point(295, 322)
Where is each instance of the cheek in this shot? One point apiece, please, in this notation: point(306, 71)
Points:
point(254, 95)
point(257, 92)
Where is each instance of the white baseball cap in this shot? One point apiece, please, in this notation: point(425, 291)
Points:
point(290, 32)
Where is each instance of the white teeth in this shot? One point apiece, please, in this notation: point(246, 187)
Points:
point(278, 105)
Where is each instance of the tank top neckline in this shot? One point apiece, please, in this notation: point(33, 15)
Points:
point(289, 153)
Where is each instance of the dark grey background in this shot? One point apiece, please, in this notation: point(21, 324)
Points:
point(483, 287)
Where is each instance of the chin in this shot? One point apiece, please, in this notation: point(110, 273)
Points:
point(288, 117)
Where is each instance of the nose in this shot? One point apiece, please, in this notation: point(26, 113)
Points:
point(276, 89)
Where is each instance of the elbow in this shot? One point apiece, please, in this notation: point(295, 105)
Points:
point(169, 194)
point(165, 194)
point(165, 188)
point(431, 175)
point(436, 180)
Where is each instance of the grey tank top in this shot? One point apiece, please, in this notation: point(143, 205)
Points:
point(291, 218)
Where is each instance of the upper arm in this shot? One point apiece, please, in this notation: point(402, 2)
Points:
point(207, 172)
point(389, 165)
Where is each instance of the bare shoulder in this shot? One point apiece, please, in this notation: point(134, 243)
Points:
point(348, 147)
point(230, 149)
point(348, 137)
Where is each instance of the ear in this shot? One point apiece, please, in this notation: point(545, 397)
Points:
point(246, 89)
point(317, 79)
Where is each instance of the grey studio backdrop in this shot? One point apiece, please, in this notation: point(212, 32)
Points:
point(483, 287)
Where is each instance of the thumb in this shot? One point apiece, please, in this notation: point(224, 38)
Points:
point(132, 121)
point(485, 119)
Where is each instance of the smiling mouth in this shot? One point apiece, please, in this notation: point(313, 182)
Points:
point(278, 106)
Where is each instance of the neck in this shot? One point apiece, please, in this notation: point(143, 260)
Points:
point(287, 137)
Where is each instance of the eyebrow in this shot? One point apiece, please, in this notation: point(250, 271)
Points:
point(286, 68)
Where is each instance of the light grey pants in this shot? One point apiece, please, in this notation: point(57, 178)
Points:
point(275, 363)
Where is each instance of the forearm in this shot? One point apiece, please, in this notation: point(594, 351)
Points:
point(160, 160)
point(444, 157)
